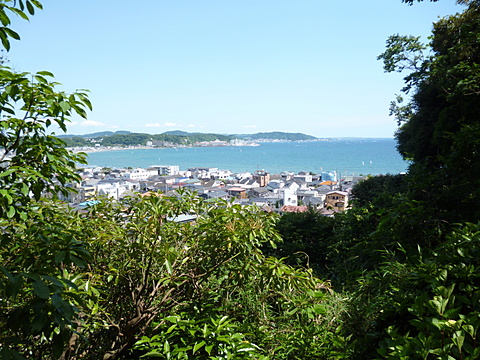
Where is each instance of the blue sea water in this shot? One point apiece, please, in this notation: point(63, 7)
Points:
point(347, 156)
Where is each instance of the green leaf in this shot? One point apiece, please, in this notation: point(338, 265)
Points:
point(59, 257)
point(4, 18)
point(25, 190)
point(208, 349)
point(58, 302)
point(6, 173)
point(12, 33)
point(40, 289)
point(173, 319)
point(168, 266)
point(45, 73)
point(4, 39)
point(30, 8)
point(470, 330)
point(459, 340)
point(10, 212)
point(153, 353)
point(19, 13)
point(198, 346)
point(319, 309)
point(78, 261)
point(16, 284)
point(39, 322)
point(41, 79)
point(171, 328)
point(37, 3)
point(65, 106)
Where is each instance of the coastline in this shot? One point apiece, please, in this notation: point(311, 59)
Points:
point(352, 157)
point(91, 149)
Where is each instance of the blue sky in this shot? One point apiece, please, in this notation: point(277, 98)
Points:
point(225, 66)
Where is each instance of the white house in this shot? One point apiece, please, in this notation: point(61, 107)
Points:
point(289, 196)
point(139, 174)
point(302, 175)
point(166, 169)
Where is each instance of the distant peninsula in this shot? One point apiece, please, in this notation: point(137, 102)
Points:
point(172, 138)
point(276, 135)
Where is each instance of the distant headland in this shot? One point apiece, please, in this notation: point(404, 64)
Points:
point(176, 138)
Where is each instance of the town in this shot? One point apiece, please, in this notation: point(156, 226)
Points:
point(281, 193)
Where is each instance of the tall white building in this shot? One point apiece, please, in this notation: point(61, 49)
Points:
point(167, 169)
point(289, 196)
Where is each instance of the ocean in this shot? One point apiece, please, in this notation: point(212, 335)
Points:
point(346, 156)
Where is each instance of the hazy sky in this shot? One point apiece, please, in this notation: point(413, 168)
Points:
point(225, 66)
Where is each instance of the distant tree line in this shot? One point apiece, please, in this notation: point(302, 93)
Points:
point(277, 135)
point(173, 137)
point(135, 139)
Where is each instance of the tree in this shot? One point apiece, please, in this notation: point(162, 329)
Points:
point(306, 238)
point(162, 288)
point(379, 190)
point(440, 125)
point(420, 300)
point(37, 245)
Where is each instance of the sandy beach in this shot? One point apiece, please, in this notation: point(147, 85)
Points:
point(93, 149)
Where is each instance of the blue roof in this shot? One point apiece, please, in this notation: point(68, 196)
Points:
point(89, 203)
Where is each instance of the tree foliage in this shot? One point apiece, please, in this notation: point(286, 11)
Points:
point(420, 299)
point(439, 131)
point(142, 139)
point(172, 281)
point(21, 8)
point(37, 249)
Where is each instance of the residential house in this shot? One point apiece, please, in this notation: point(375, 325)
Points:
point(248, 184)
point(213, 183)
point(203, 172)
point(274, 185)
point(259, 192)
point(261, 177)
point(286, 175)
point(336, 200)
point(221, 174)
point(289, 196)
point(139, 174)
point(243, 175)
point(218, 194)
point(312, 201)
point(235, 191)
point(166, 169)
point(303, 175)
point(271, 202)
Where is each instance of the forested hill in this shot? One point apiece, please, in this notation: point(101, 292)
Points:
point(134, 139)
point(125, 138)
point(95, 135)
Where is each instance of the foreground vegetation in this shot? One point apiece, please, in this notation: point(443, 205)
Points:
point(396, 277)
